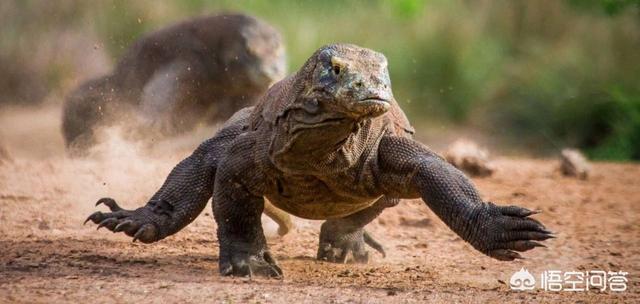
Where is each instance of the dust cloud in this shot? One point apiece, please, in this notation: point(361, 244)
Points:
point(123, 165)
point(129, 171)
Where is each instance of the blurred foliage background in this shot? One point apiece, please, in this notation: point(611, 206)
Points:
point(532, 75)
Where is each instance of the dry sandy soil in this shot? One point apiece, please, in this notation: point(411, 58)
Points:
point(47, 255)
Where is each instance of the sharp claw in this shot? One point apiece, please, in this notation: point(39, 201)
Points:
point(138, 234)
point(547, 235)
point(278, 270)
point(122, 226)
point(109, 202)
point(517, 211)
point(105, 222)
point(530, 219)
point(544, 230)
point(88, 219)
point(536, 244)
point(275, 272)
point(93, 217)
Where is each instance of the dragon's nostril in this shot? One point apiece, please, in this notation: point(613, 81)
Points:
point(358, 84)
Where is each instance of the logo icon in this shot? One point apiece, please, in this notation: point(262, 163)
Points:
point(522, 280)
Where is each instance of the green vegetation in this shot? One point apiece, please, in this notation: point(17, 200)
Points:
point(539, 74)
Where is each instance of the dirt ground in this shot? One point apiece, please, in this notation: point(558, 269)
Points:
point(47, 255)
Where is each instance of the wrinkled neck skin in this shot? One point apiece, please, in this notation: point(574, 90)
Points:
point(312, 137)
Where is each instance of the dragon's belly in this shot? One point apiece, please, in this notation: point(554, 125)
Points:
point(311, 198)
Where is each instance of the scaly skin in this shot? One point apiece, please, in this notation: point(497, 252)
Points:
point(328, 142)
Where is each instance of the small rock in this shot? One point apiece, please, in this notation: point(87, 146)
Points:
point(574, 163)
point(466, 155)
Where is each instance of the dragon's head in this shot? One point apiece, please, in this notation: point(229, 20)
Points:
point(254, 55)
point(347, 79)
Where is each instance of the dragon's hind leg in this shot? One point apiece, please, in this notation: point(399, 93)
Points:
point(339, 237)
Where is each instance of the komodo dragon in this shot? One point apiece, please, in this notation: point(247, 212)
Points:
point(328, 142)
point(197, 71)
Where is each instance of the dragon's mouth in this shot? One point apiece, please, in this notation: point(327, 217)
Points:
point(327, 122)
point(372, 106)
point(374, 101)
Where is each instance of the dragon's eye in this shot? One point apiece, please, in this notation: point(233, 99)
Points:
point(337, 65)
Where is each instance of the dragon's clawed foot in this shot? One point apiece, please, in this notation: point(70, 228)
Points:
point(509, 229)
point(243, 264)
point(139, 224)
point(336, 243)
